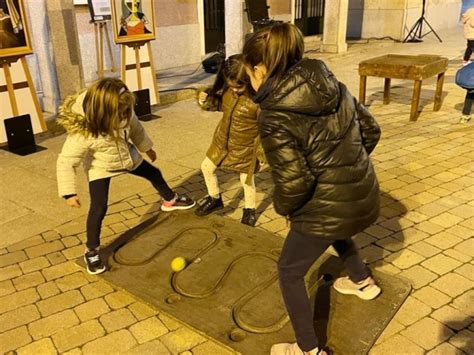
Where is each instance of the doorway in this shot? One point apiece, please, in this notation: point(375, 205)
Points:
point(309, 16)
point(214, 25)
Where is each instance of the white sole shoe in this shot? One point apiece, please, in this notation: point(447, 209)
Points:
point(176, 208)
point(366, 290)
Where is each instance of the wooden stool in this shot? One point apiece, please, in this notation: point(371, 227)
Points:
point(413, 67)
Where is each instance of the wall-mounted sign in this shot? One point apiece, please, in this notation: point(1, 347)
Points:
point(100, 10)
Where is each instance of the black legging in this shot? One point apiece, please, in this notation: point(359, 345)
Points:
point(298, 254)
point(466, 110)
point(99, 194)
point(469, 48)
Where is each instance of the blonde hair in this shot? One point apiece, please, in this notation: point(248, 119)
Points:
point(278, 47)
point(108, 105)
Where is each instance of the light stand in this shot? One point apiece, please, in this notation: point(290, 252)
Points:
point(415, 34)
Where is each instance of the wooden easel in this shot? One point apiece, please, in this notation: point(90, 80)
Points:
point(100, 30)
point(20, 88)
point(133, 69)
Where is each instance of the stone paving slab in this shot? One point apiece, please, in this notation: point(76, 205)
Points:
point(228, 291)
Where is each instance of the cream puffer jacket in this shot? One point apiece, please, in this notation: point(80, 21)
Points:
point(468, 20)
point(103, 156)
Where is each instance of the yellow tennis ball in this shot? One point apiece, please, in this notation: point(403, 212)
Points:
point(178, 264)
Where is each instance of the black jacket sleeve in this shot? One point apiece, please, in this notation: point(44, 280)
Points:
point(294, 182)
point(369, 128)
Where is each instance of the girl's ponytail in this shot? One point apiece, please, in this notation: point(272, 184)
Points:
point(231, 72)
point(219, 82)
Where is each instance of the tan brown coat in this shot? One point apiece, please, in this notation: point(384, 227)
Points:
point(468, 20)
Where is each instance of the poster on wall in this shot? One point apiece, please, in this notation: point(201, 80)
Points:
point(133, 20)
point(14, 36)
point(99, 10)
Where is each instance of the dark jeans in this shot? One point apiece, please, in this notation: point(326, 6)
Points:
point(466, 110)
point(469, 48)
point(298, 254)
point(99, 194)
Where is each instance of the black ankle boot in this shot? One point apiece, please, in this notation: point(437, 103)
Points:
point(248, 217)
point(208, 205)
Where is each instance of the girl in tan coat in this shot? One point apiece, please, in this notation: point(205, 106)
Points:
point(104, 133)
point(468, 21)
point(235, 144)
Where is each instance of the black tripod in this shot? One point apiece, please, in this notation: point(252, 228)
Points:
point(415, 34)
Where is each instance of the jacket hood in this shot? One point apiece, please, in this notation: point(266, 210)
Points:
point(468, 15)
point(71, 114)
point(307, 88)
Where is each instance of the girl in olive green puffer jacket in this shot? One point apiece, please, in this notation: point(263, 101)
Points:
point(235, 144)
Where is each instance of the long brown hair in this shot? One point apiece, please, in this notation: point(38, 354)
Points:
point(231, 73)
point(278, 47)
point(108, 105)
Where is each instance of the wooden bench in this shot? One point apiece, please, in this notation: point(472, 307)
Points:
point(413, 67)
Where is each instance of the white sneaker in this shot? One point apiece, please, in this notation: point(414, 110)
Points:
point(464, 118)
point(366, 289)
point(293, 349)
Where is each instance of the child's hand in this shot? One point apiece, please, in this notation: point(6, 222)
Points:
point(151, 154)
point(73, 201)
point(202, 97)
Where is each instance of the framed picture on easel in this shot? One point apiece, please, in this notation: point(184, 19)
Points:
point(14, 35)
point(99, 10)
point(133, 20)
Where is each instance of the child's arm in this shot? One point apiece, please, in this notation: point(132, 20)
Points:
point(209, 102)
point(139, 136)
point(294, 181)
point(69, 159)
point(369, 128)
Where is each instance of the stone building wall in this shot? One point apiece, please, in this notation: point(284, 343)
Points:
point(441, 14)
point(280, 10)
point(179, 32)
point(394, 18)
point(177, 44)
point(177, 40)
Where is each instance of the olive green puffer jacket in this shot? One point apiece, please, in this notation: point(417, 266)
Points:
point(317, 140)
point(235, 144)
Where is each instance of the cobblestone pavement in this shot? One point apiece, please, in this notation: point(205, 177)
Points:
point(424, 233)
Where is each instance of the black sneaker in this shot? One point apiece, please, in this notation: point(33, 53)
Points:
point(94, 263)
point(249, 217)
point(180, 202)
point(208, 205)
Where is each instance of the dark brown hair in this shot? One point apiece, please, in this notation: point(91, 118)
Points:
point(231, 73)
point(107, 106)
point(278, 47)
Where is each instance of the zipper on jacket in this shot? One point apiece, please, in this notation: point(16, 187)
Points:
point(128, 150)
point(231, 115)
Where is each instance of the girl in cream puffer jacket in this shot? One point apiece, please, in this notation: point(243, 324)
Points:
point(104, 133)
point(102, 156)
